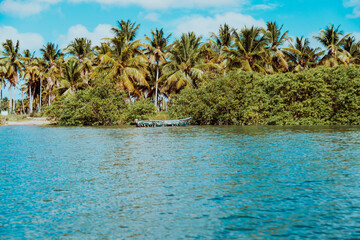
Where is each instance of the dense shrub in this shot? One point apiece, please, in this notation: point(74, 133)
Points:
point(104, 105)
point(99, 106)
point(319, 96)
point(142, 109)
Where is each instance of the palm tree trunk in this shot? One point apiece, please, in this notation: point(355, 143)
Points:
point(50, 82)
point(10, 99)
point(30, 101)
point(156, 85)
point(22, 102)
point(40, 94)
point(16, 80)
point(14, 102)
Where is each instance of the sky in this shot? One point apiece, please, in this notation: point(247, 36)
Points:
point(36, 22)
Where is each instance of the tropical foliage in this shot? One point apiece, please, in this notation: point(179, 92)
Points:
point(79, 84)
point(320, 96)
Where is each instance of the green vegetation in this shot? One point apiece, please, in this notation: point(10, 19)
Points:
point(238, 76)
point(99, 106)
point(161, 116)
point(320, 96)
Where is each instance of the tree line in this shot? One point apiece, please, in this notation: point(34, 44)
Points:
point(155, 68)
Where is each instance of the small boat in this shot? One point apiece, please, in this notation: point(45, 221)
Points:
point(163, 123)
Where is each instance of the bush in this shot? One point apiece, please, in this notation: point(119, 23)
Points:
point(99, 106)
point(141, 110)
point(319, 96)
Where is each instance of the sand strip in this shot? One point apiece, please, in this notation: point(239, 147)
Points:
point(33, 121)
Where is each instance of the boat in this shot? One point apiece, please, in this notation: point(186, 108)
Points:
point(163, 123)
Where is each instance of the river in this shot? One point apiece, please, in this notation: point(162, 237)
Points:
point(195, 182)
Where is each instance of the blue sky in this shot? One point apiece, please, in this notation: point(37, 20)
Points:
point(35, 22)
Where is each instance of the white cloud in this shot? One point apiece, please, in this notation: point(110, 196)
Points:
point(32, 41)
point(24, 8)
point(263, 6)
point(167, 4)
point(154, 17)
point(101, 31)
point(205, 25)
point(354, 4)
point(357, 36)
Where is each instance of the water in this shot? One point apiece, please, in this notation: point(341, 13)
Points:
point(179, 183)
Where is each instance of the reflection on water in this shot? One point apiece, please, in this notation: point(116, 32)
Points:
point(177, 183)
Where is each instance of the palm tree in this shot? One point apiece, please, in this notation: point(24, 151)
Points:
point(155, 50)
point(301, 55)
point(99, 52)
point(125, 62)
point(22, 90)
point(353, 49)
point(32, 76)
point(125, 32)
point(29, 76)
point(13, 67)
point(220, 43)
point(224, 39)
point(332, 38)
point(72, 78)
point(186, 63)
point(42, 64)
point(2, 82)
point(80, 48)
point(52, 56)
point(274, 39)
point(248, 49)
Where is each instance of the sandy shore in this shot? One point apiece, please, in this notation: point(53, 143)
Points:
point(31, 121)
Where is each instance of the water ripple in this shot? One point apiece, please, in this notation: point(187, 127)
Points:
point(179, 183)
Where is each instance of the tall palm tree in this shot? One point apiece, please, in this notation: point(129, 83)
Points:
point(301, 55)
point(220, 43)
point(53, 57)
point(32, 75)
point(185, 63)
point(125, 31)
point(274, 39)
point(223, 39)
point(332, 38)
point(155, 50)
point(71, 78)
point(353, 49)
point(22, 90)
point(13, 67)
point(42, 65)
point(80, 48)
point(125, 62)
point(248, 49)
point(2, 82)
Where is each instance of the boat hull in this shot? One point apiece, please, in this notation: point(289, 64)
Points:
point(163, 123)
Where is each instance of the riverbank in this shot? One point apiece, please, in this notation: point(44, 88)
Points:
point(28, 121)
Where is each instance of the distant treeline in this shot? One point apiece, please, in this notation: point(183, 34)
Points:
point(155, 70)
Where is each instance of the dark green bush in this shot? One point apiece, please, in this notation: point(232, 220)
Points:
point(319, 96)
point(99, 106)
point(142, 109)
